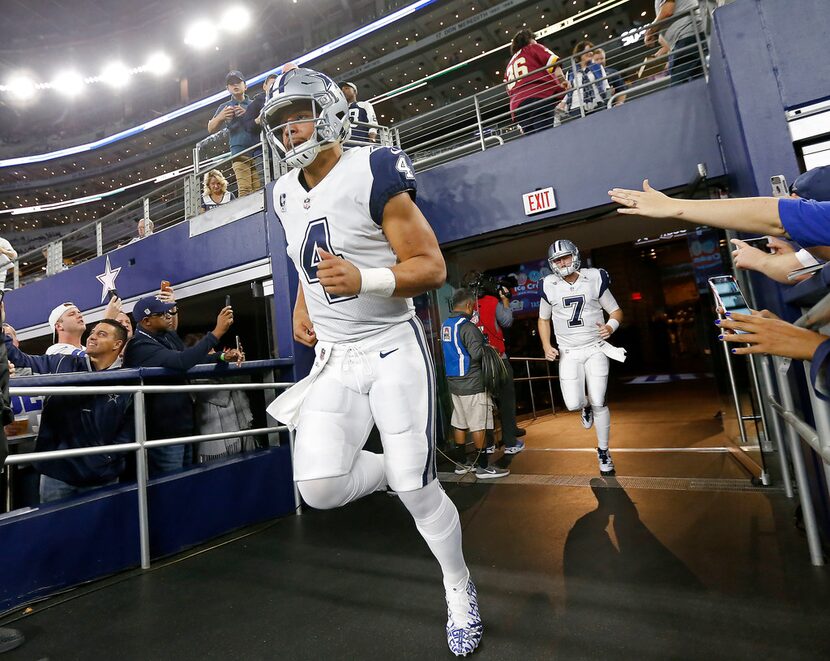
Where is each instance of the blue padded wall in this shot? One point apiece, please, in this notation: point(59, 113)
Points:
point(61, 545)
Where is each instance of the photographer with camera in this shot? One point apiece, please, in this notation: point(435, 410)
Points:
point(492, 315)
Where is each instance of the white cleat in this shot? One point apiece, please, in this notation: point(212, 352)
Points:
point(587, 416)
point(606, 464)
point(464, 627)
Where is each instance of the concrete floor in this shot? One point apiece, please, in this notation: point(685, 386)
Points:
point(702, 567)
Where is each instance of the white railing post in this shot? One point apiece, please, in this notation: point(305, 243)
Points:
point(99, 239)
point(141, 478)
point(478, 122)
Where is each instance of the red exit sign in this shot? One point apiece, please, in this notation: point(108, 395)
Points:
point(538, 201)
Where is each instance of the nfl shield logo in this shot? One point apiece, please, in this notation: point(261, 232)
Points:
point(306, 203)
point(282, 201)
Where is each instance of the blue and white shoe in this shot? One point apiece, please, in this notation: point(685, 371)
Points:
point(464, 627)
point(587, 416)
point(514, 449)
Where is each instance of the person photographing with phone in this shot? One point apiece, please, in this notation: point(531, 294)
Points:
point(156, 344)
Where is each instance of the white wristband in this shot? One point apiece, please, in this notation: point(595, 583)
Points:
point(613, 323)
point(377, 282)
point(805, 258)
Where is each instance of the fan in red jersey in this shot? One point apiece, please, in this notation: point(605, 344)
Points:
point(535, 83)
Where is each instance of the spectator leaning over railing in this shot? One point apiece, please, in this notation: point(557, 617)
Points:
point(156, 344)
point(7, 257)
point(9, 638)
point(535, 83)
point(589, 87)
point(680, 34)
point(78, 421)
point(229, 115)
point(214, 191)
point(784, 258)
point(616, 84)
point(805, 221)
point(361, 113)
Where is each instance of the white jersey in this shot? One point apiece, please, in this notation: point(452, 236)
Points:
point(65, 348)
point(577, 308)
point(343, 215)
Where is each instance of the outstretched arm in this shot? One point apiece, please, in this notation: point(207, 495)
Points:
point(752, 214)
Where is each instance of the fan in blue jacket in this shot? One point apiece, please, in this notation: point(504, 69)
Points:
point(79, 421)
point(156, 344)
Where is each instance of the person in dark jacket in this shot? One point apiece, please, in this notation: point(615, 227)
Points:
point(156, 345)
point(78, 421)
point(472, 408)
point(250, 120)
point(9, 638)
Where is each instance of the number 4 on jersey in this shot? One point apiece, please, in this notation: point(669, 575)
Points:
point(317, 236)
point(404, 167)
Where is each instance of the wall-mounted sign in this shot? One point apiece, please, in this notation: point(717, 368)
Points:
point(538, 201)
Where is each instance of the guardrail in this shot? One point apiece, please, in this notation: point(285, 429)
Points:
point(457, 125)
point(141, 443)
point(530, 379)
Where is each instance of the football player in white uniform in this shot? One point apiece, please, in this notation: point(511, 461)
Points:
point(575, 300)
point(362, 249)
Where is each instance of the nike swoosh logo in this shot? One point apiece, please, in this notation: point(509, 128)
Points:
point(383, 354)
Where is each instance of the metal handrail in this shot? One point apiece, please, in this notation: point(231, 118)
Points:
point(529, 380)
point(142, 444)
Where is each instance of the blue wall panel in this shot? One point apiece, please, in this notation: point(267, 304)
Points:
point(797, 43)
point(746, 97)
point(663, 136)
point(61, 545)
point(168, 255)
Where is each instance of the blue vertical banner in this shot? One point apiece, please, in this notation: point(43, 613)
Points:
point(704, 249)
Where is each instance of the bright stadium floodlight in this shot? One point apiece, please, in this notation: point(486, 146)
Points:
point(21, 87)
point(68, 83)
point(158, 64)
point(116, 75)
point(200, 35)
point(235, 19)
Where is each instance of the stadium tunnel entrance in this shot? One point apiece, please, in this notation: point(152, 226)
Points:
point(659, 272)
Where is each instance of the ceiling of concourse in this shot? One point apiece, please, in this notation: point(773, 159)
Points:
point(37, 37)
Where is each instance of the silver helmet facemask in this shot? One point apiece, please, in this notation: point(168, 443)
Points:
point(305, 90)
point(559, 249)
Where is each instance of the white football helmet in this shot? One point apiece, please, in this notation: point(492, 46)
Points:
point(305, 89)
point(559, 249)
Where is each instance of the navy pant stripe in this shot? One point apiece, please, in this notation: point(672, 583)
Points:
point(430, 469)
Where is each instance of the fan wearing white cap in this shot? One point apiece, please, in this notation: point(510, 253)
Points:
point(68, 327)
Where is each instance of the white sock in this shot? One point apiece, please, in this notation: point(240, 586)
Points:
point(436, 518)
point(602, 423)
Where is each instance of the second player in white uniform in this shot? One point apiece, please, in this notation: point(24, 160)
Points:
point(362, 248)
point(577, 300)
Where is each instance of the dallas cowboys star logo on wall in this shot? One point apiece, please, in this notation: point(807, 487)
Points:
point(107, 279)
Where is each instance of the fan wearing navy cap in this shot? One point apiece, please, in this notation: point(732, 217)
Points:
point(156, 345)
point(230, 115)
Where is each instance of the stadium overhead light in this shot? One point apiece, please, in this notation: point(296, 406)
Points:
point(115, 75)
point(68, 83)
point(235, 19)
point(21, 87)
point(158, 64)
point(200, 35)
